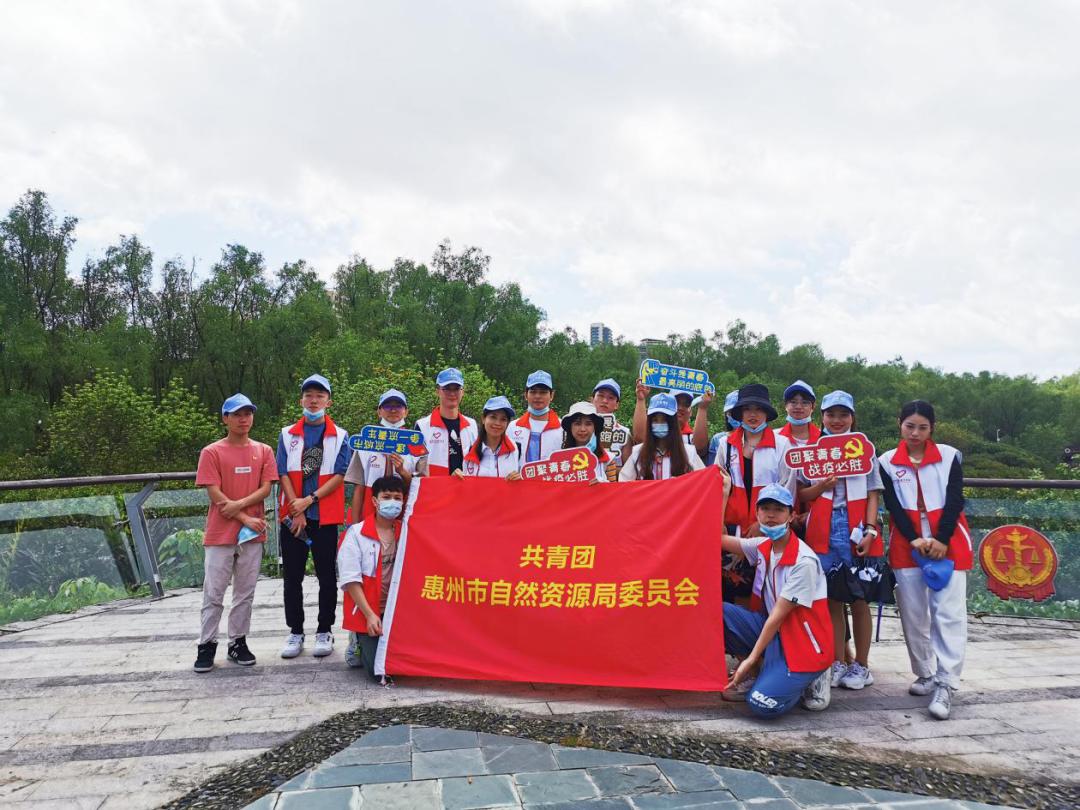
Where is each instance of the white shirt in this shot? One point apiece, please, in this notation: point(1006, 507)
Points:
point(661, 466)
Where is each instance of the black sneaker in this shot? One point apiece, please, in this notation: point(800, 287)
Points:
point(240, 654)
point(205, 660)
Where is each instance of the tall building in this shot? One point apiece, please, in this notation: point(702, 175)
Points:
point(647, 344)
point(598, 333)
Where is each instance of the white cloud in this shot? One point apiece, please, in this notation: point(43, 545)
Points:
point(883, 180)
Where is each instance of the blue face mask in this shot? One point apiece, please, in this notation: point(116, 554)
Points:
point(749, 429)
point(591, 443)
point(389, 509)
point(314, 416)
point(793, 421)
point(659, 429)
point(733, 423)
point(774, 532)
point(538, 413)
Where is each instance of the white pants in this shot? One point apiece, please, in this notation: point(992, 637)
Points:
point(222, 564)
point(935, 624)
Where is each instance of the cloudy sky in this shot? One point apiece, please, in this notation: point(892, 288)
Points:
point(882, 178)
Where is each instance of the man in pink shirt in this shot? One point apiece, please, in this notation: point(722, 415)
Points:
point(237, 473)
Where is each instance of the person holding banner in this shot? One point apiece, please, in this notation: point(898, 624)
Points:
point(930, 552)
point(493, 454)
point(312, 457)
point(447, 431)
point(662, 454)
point(366, 465)
point(799, 402)
point(539, 431)
point(365, 563)
point(842, 529)
point(606, 397)
point(581, 428)
point(684, 406)
point(786, 633)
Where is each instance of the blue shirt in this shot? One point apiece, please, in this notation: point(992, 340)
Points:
point(313, 435)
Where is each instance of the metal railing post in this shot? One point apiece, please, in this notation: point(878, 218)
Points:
point(140, 533)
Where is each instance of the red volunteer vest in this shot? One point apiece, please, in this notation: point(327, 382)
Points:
point(332, 507)
point(353, 620)
point(550, 437)
point(437, 440)
point(767, 455)
point(507, 451)
point(819, 521)
point(806, 634)
point(932, 478)
point(815, 433)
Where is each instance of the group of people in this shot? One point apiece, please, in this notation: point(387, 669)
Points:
point(801, 558)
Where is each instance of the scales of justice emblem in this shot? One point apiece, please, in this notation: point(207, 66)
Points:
point(1019, 562)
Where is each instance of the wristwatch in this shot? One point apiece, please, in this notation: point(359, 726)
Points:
point(314, 498)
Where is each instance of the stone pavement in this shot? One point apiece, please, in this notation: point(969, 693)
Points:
point(417, 768)
point(103, 710)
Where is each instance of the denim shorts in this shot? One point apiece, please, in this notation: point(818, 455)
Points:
point(839, 553)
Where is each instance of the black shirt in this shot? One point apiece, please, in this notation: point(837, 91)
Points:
point(454, 457)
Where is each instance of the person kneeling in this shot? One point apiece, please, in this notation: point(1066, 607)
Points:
point(791, 640)
point(365, 564)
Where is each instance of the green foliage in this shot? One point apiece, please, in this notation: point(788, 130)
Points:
point(181, 428)
point(180, 558)
point(70, 596)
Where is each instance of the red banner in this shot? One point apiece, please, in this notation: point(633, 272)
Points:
point(840, 454)
point(606, 585)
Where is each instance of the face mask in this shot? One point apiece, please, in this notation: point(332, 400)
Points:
point(793, 421)
point(749, 429)
point(733, 423)
point(659, 429)
point(538, 413)
point(591, 443)
point(386, 423)
point(314, 416)
point(389, 509)
point(774, 532)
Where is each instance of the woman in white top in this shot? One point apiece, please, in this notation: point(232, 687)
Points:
point(494, 454)
point(663, 454)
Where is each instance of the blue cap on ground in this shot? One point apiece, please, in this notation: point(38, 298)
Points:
point(609, 383)
point(663, 403)
point(775, 492)
point(235, 403)
point(450, 376)
point(838, 398)
point(730, 400)
point(392, 393)
point(936, 573)
point(539, 378)
point(500, 404)
point(799, 387)
point(315, 380)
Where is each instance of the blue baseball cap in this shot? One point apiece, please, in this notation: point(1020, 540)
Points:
point(838, 398)
point(936, 573)
point(235, 403)
point(392, 393)
point(663, 403)
point(450, 376)
point(500, 404)
point(315, 380)
point(609, 383)
point(775, 492)
point(799, 387)
point(730, 400)
point(539, 378)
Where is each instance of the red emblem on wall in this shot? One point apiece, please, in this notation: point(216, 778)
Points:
point(1020, 563)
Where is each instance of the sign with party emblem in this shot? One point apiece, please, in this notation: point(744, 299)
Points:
point(841, 454)
point(572, 465)
point(379, 439)
point(1019, 562)
point(675, 378)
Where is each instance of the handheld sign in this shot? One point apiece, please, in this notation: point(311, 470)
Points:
point(611, 435)
point(842, 454)
point(381, 439)
point(573, 465)
point(675, 378)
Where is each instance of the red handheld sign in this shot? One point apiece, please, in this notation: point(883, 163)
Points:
point(842, 454)
point(573, 465)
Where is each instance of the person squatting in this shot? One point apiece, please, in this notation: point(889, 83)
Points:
point(801, 558)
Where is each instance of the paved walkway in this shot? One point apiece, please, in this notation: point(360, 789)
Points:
point(104, 711)
point(417, 768)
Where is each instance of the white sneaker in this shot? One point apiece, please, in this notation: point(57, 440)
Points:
point(324, 645)
point(922, 687)
point(857, 676)
point(818, 694)
point(941, 703)
point(839, 670)
point(293, 645)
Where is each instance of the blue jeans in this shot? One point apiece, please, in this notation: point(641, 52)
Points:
point(839, 541)
point(777, 689)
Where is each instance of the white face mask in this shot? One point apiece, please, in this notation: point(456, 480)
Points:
point(389, 509)
point(397, 424)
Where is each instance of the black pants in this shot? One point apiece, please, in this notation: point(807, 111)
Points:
point(294, 554)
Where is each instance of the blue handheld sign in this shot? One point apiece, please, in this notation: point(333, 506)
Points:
point(379, 439)
point(675, 378)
